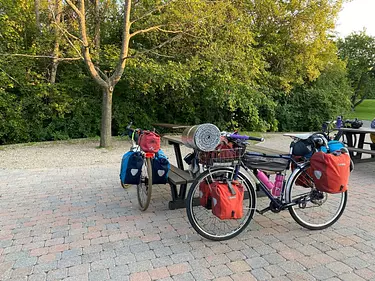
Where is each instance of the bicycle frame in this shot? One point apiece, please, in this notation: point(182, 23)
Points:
point(279, 202)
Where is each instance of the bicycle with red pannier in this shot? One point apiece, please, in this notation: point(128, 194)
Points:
point(222, 200)
point(138, 165)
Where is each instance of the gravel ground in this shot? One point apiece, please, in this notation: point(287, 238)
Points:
point(84, 152)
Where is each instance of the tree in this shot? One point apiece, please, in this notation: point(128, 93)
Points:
point(358, 50)
point(107, 83)
point(293, 38)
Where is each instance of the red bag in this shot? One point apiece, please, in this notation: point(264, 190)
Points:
point(205, 194)
point(305, 178)
point(149, 142)
point(227, 198)
point(330, 171)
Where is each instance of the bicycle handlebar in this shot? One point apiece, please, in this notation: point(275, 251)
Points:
point(236, 136)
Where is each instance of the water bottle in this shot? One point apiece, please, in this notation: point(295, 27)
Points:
point(279, 180)
point(265, 180)
point(338, 122)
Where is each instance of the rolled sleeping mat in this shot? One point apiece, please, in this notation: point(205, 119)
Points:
point(204, 137)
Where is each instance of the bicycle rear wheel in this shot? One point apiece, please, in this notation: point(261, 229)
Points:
point(204, 221)
point(315, 210)
point(144, 188)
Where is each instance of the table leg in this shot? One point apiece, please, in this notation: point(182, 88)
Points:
point(177, 152)
point(349, 139)
point(360, 145)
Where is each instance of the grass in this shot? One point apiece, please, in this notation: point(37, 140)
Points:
point(364, 111)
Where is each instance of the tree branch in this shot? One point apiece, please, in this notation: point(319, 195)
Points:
point(145, 30)
point(160, 45)
point(74, 7)
point(40, 57)
point(115, 77)
point(158, 8)
point(85, 50)
point(10, 77)
point(156, 27)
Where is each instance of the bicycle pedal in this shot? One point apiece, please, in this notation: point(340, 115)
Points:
point(263, 211)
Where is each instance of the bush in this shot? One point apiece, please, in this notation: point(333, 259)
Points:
point(307, 107)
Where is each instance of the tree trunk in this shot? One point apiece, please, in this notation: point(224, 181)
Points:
point(37, 14)
point(56, 47)
point(106, 123)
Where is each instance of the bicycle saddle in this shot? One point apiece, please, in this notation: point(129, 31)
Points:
point(299, 136)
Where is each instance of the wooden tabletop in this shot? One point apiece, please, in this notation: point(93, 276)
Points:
point(173, 138)
point(170, 126)
point(361, 130)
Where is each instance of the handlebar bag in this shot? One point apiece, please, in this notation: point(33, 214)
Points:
point(131, 167)
point(149, 142)
point(227, 199)
point(330, 171)
point(160, 168)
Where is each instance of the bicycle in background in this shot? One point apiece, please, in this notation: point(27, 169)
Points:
point(144, 184)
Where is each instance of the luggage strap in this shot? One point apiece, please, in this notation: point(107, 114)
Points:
point(231, 189)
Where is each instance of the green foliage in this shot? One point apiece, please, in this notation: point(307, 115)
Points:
point(307, 107)
point(258, 65)
point(358, 50)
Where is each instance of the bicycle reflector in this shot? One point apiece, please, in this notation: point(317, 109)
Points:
point(149, 155)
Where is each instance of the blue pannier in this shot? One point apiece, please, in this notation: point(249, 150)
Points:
point(160, 168)
point(131, 167)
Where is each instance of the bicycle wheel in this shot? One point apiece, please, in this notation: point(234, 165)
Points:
point(315, 210)
point(144, 188)
point(204, 221)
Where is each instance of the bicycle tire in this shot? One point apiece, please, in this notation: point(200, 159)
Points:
point(144, 188)
point(317, 199)
point(192, 210)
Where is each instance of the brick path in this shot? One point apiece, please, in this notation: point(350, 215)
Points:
point(77, 223)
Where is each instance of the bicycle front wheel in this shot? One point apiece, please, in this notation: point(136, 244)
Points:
point(201, 217)
point(144, 188)
point(314, 210)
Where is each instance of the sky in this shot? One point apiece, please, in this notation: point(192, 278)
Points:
point(355, 15)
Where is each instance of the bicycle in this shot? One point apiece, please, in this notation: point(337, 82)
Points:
point(299, 200)
point(144, 187)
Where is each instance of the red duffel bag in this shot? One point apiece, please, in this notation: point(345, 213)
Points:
point(149, 142)
point(227, 199)
point(330, 171)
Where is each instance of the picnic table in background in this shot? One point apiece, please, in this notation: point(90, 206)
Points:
point(179, 176)
point(356, 140)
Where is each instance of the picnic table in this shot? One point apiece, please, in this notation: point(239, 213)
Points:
point(356, 140)
point(179, 177)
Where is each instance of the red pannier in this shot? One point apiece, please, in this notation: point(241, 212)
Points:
point(205, 194)
point(330, 171)
point(305, 178)
point(149, 142)
point(227, 199)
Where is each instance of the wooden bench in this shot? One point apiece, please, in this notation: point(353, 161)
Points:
point(360, 151)
point(178, 177)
